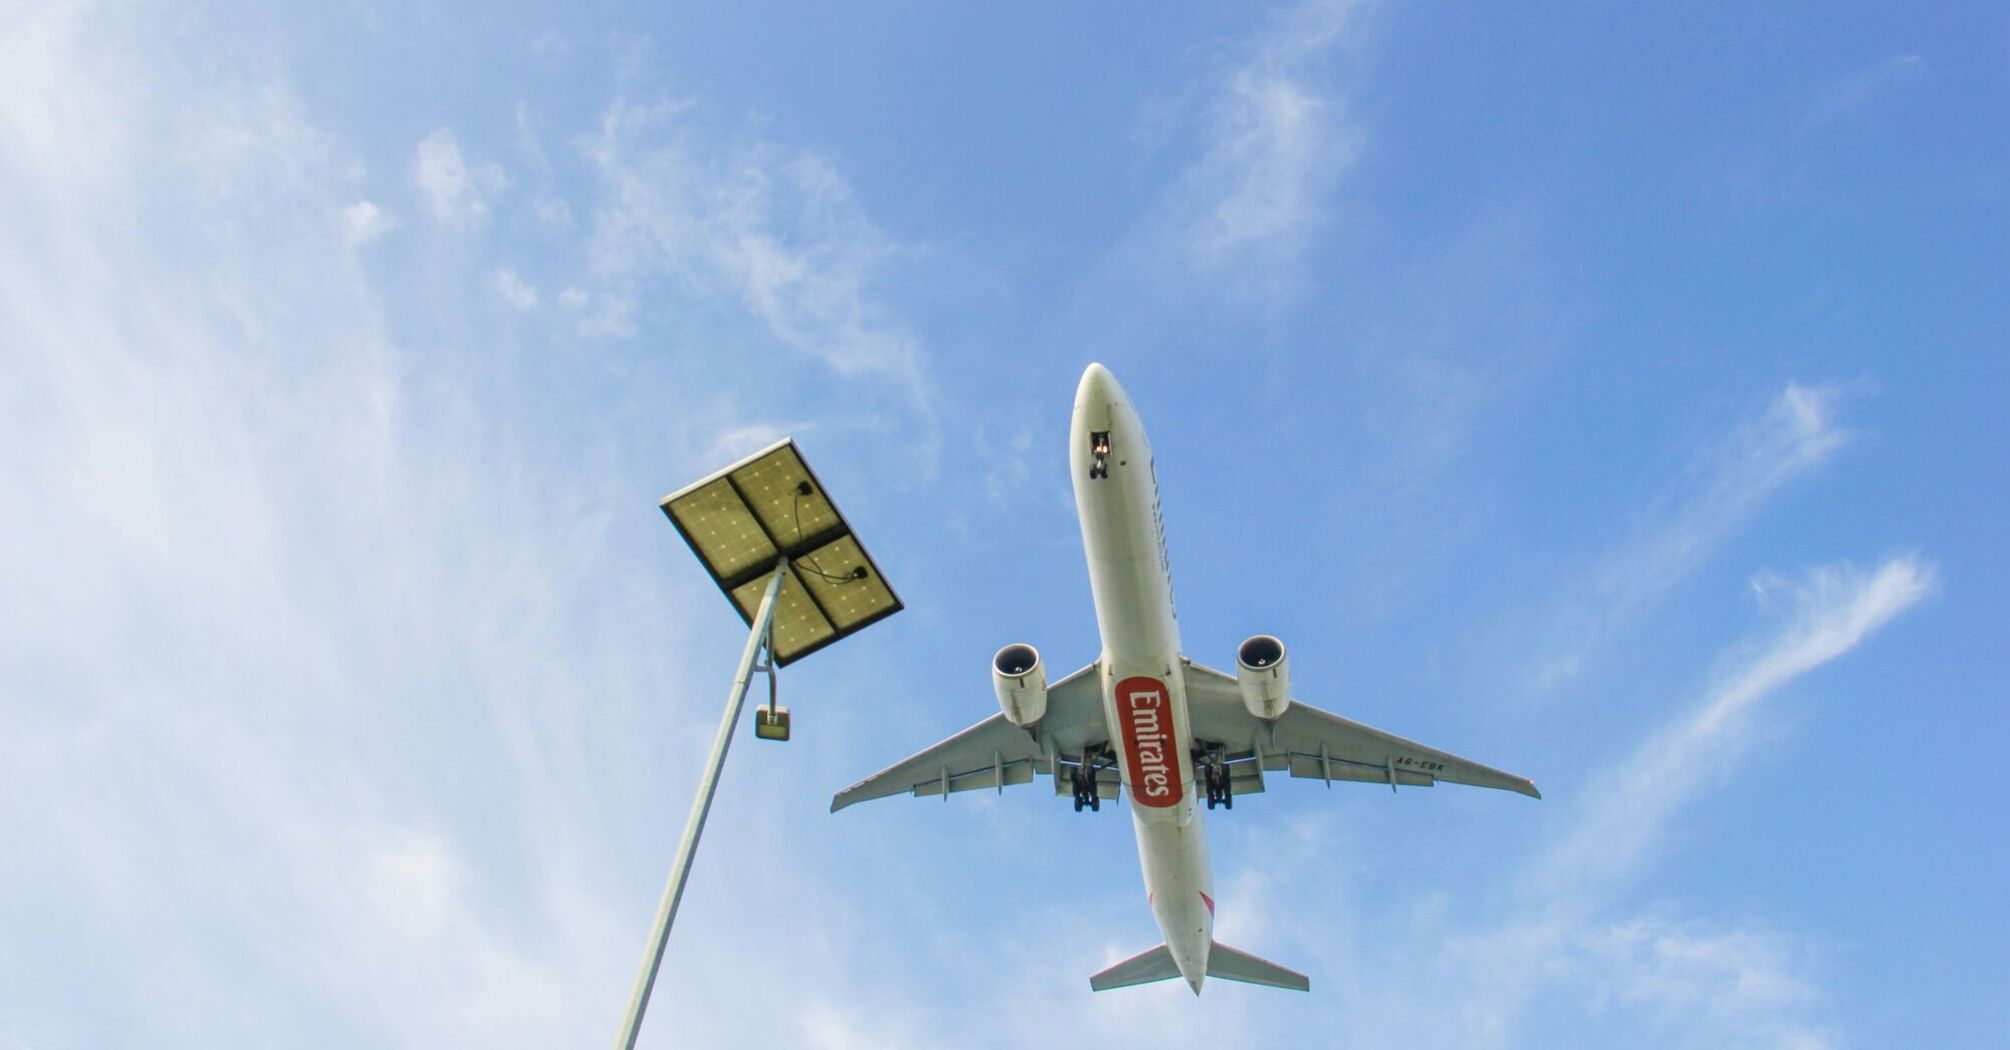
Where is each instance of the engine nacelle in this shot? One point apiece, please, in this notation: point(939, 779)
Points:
point(1021, 682)
point(1264, 675)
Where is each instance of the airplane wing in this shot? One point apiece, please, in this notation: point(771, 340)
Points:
point(994, 752)
point(1314, 744)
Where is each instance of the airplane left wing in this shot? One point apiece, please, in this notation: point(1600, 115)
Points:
point(1318, 745)
point(994, 752)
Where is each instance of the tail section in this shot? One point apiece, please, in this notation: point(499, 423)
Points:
point(1231, 965)
point(1142, 968)
point(1222, 961)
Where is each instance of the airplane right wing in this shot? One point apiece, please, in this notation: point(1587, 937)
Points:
point(1319, 745)
point(994, 753)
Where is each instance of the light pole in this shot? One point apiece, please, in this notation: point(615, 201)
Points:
point(778, 548)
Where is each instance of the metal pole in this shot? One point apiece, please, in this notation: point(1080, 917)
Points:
point(666, 913)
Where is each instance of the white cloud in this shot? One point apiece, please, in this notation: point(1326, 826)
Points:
point(1851, 93)
point(1565, 936)
point(414, 880)
point(243, 589)
point(1275, 140)
point(612, 317)
point(1719, 492)
point(457, 191)
point(363, 222)
point(1705, 982)
point(776, 230)
point(349, 753)
point(550, 49)
point(1007, 475)
point(601, 315)
point(1835, 608)
point(553, 212)
point(514, 289)
point(281, 667)
point(743, 440)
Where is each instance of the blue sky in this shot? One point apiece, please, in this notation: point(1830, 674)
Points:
point(1612, 396)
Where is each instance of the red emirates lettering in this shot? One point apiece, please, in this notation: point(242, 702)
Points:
point(1151, 745)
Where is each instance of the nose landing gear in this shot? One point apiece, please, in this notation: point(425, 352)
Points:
point(1099, 450)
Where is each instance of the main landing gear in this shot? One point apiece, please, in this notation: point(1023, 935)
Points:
point(1215, 776)
point(1083, 779)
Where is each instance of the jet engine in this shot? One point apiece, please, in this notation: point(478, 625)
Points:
point(1264, 676)
point(1021, 682)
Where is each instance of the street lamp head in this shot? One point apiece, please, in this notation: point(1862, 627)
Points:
point(769, 508)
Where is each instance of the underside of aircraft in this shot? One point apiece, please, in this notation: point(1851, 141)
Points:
point(1145, 721)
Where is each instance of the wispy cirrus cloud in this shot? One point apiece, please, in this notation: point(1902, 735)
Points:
point(776, 229)
point(201, 741)
point(284, 704)
point(1860, 87)
point(1274, 139)
point(1654, 974)
point(1704, 982)
point(1724, 485)
point(1835, 608)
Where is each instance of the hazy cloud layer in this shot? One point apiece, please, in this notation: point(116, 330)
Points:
point(266, 569)
point(343, 693)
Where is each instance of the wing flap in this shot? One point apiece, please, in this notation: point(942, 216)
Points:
point(996, 754)
point(1304, 731)
point(1319, 745)
point(1017, 772)
point(1312, 767)
point(977, 751)
point(1244, 779)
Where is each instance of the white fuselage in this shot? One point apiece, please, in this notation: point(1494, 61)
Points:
point(1144, 693)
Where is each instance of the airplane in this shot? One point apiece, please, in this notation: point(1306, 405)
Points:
point(1146, 721)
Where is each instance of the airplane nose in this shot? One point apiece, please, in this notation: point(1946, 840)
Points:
point(1098, 386)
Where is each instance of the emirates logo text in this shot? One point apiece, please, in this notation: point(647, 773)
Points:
point(1151, 746)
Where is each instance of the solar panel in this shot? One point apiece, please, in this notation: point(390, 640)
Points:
point(770, 506)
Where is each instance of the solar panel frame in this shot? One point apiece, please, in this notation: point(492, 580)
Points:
point(749, 569)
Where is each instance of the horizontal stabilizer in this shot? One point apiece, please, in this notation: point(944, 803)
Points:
point(1222, 961)
point(1231, 965)
point(1142, 968)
